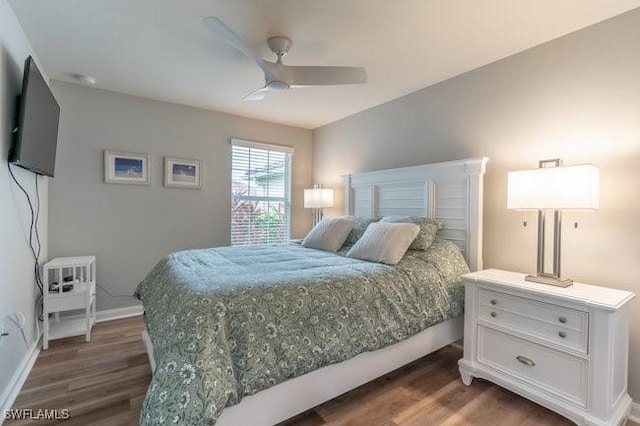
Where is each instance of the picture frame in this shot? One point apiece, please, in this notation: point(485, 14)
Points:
point(130, 168)
point(182, 173)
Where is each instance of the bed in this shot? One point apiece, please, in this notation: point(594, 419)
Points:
point(257, 336)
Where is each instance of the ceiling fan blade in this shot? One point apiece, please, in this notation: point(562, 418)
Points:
point(221, 29)
point(301, 76)
point(257, 95)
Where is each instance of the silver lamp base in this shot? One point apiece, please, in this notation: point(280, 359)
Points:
point(549, 280)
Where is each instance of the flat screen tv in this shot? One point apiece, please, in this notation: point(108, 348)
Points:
point(36, 139)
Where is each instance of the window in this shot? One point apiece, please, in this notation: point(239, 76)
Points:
point(260, 193)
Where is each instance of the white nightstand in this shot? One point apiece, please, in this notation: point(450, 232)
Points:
point(82, 271)
point(564, 348)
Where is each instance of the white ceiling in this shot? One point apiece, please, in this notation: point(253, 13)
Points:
point(160, 49)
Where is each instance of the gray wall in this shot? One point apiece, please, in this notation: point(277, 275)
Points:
point(129, 227)
point(577, 98)
point(18, 292)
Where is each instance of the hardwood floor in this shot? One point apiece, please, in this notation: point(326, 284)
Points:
point(428, 392)
point(104, 382)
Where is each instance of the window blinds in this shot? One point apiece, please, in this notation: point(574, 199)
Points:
point(260, 193)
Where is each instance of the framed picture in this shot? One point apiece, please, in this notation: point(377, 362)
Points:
point(182, 173)
point(127, 167)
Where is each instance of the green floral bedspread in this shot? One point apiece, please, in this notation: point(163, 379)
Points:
point(228, 322)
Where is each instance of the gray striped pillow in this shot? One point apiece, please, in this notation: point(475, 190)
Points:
point(385, 242)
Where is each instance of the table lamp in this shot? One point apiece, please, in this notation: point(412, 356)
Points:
point(553, 188)
point(316, 199)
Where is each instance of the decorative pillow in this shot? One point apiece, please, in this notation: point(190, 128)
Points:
point(329, 234)
point(428, 229)
point(361, 223)
point(385, 242)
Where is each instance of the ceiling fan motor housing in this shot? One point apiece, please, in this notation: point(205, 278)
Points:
point(279, 45)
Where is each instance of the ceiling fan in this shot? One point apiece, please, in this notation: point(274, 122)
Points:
point(280, 77)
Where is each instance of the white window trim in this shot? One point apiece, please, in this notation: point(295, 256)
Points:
point(262, 145)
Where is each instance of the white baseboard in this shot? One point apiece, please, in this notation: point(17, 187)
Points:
point(634, 416)
point(119, 313)
point(10, 393)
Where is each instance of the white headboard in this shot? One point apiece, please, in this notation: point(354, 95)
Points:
point(450, 192)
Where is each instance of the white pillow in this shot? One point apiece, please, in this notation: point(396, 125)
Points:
point(329, 234)
point(384, 242)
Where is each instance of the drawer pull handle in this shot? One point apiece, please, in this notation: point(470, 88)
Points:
point(562, 319)
point(562, 334)
point(494, 314)
point(494, 302)
point(526, 361)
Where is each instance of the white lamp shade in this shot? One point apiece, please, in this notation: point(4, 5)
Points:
point(318, 198)
point(566, 188)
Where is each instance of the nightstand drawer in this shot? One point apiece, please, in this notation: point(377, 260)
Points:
point(559, 326)
point(549, 370)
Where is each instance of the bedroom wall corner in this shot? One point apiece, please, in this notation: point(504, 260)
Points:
point(18, 291)
point(131, 227)
point(576, 97)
